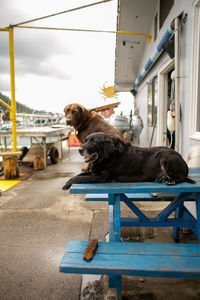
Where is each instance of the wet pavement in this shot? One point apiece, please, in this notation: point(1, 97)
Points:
point(37, 219)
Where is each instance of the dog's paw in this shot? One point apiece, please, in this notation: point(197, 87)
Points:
point(170, 182)
point(161, 179)
point(85, 169)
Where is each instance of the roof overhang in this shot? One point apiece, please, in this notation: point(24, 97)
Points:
point(133, 16)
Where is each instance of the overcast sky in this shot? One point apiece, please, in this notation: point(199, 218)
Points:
point(56, 68)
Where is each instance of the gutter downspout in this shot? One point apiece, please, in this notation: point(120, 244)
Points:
point(177, 82)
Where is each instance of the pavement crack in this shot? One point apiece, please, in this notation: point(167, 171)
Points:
point(90, 232)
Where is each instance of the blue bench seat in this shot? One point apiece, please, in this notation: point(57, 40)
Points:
point(104, 197)
point(135, 259)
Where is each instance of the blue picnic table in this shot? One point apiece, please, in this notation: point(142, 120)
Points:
point(116, 258)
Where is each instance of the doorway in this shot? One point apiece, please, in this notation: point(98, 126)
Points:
point(164, 97)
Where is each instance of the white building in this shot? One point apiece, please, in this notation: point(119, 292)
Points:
point(146, 67)
point(155, 17)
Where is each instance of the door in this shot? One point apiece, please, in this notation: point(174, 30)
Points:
point(164, 94)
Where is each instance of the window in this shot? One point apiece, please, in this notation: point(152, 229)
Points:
point(155, 26)
point(165, 7)
point(195, 83)
point(152, 99)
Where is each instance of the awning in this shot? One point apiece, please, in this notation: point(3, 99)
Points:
point(154, 56)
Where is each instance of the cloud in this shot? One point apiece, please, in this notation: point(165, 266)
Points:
point(4, 65)
point(34, 53)
point(40, 44)
point(35, 50)
point(38, 67)
point(4, 83)
point(10, 13)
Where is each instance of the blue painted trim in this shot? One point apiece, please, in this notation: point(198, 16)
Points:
point(153, 222)
point(198, 215)
point(154, 56)
point(143, 72)
point(148, 64)
point(140, 77)
point(166, 36)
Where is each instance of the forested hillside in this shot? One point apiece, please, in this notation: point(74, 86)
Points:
point(20, 108)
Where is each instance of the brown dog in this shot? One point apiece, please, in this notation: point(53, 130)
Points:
point(86, 122)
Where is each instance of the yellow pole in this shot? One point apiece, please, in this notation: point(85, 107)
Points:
point(87, 30)
point(12, 83)
point(4, 29)
point(5, 104)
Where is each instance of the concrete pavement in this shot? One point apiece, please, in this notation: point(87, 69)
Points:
point(37, 219)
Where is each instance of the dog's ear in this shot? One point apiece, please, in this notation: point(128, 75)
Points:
point(66, 108)
point(83, 112)
point(109, 148)
point(119, 144)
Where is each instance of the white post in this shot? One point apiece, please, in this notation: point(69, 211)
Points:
point(177, 84)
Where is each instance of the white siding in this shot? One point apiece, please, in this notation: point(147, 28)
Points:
point(185, 73)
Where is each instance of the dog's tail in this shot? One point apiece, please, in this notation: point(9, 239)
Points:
point(189, 180)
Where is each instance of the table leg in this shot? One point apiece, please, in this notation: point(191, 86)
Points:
point(114, 218)
point(114, 236)
point(176, 230)
point(69, 134)
point(45, 153)
point(60, 146)
point(5, 143)
point(115, 282)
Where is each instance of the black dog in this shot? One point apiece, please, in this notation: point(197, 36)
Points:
point(113, 160)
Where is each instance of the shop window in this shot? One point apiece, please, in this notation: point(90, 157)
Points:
point(152, 99)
